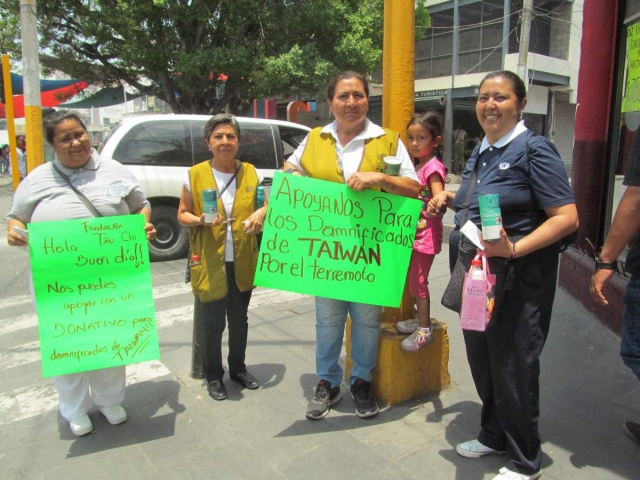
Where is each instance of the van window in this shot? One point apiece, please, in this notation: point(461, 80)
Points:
point(256, 145)
point(156, 143)
point(291, 138)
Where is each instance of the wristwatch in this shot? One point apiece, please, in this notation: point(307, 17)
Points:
point(607, 265)
point(290, 170)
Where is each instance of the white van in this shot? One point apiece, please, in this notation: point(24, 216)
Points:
point(160, 148)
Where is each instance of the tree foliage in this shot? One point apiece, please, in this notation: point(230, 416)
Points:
point(202, 56)
point(183, 51)
point(423, 20)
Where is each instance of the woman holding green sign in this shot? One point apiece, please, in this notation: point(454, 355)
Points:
point(354, 151)
point(49, 193)
point(538, 209)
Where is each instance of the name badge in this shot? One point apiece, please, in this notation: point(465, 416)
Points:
point(114, 190)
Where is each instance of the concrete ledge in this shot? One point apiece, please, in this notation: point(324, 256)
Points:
point(401, 375)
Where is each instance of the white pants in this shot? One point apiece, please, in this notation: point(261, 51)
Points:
point(77, 392)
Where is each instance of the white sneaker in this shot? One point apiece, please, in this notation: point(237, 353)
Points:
point(475, 449)
point(407, 326)
point(115, 414)
point(81, 426)
point(506, 474)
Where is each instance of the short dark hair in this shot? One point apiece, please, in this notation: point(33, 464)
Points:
point(52, 120)
point(331, 88)
point(221, 118)
point(516, 82)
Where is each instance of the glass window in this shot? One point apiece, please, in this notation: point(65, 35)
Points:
point(156, 143)
point(291, 137)
point(256, 145)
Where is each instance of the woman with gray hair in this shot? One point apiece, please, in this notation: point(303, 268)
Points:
point(224, 249)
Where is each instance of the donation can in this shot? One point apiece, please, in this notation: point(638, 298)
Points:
point(490, 217)
point(210, 204)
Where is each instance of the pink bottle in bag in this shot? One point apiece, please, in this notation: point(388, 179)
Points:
point(473, 315)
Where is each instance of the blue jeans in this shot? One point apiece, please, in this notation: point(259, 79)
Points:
point(331, 317)
point(630, 344)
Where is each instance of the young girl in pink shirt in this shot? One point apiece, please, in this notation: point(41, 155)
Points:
point(425, 135)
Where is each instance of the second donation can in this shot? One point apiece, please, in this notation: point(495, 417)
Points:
point(210, 204)
point(490, 217)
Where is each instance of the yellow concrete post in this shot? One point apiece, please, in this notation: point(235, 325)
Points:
point(399, 375)
point(31, 68)
point(398, 81)
point(11, 128)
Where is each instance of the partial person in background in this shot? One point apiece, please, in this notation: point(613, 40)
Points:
point(45, 196)
point(5, 159)
point(350, 151)
point(22, 156)
point(625, 230)
point(225, 250)
point(538, 210)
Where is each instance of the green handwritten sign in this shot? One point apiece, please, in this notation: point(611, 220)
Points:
point(631, 100)
point(325, 239)
point(92, 282)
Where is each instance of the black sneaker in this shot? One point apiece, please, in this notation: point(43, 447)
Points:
point(366, 406)
point(325, 396)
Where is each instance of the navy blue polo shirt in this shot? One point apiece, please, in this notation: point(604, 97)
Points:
point(525, 187)
point(632, 179)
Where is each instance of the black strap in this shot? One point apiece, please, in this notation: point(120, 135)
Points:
point(85, 200)
point(470, 187)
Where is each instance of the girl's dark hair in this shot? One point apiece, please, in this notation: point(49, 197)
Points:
point(331, 88)
point(221, 118)
point(516, 82)
point(51, 121)
point(432, 121)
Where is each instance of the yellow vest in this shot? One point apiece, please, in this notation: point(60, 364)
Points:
point(209, 278)
point(320, 158)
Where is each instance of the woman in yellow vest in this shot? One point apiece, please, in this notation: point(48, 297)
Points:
point(224, 252)
point(350, 150)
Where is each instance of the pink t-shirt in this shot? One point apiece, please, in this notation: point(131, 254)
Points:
point(429, 232)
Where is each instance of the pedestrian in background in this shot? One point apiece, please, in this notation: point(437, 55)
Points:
point(350, 150)
point(45, 196)
point(224, 249)
point(425, 134)
point(538, 210)
point(22, 156)
point(625, 230)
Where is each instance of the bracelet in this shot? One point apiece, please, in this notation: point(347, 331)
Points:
point(513, 250)
point(607, 265)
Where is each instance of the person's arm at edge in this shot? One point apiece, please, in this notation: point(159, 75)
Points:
point(149, 228)
point(625, 225)
point(15, 239)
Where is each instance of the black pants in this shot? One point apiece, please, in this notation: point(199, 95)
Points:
point(504, 359)
point(215, 315)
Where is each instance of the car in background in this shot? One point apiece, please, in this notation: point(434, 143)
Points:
point(158, 149)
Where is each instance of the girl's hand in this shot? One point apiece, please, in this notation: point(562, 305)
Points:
point(437, 206)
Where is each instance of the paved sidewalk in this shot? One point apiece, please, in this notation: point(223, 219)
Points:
point(175, 431)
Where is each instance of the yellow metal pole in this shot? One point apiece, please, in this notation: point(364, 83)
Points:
point(398, 86)
point(11, 128)
point(31, 66)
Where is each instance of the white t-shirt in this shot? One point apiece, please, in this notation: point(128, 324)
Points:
point(227, 198)
point(352, 152)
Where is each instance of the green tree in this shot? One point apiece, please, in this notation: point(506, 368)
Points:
point(423, 20)
point(187, 51)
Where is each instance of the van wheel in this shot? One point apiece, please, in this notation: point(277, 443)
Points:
point(172, 239)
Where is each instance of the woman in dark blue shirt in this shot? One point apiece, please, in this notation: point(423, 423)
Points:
point(538, 210)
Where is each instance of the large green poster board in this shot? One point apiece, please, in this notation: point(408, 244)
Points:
point(631, 100)
point(325, 239)
point(92, 283)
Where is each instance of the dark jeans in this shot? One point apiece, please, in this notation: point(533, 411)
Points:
point(630, 344)
point(215, 315)
point(505, 364)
